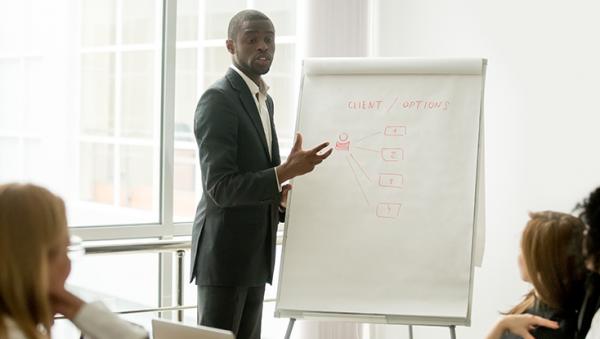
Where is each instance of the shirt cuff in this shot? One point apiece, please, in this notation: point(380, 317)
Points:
point(277, 178)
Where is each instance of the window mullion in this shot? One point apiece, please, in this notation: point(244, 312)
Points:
point(168, 114)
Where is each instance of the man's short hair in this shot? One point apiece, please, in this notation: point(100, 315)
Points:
point(246, 15)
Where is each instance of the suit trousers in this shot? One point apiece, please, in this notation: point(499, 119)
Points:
point(233, 308)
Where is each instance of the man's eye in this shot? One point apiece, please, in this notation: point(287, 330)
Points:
point(252, 41)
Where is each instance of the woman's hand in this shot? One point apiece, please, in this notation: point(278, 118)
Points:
point(65, 303)
point(521, 325)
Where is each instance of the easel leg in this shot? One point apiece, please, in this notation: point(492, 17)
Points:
point(288, 332)
point(410, 332)
point(452, 331)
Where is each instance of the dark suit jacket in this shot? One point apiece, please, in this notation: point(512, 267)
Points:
point(234, 233)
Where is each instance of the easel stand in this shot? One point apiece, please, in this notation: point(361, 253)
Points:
point(452, 329)
point(288, 332)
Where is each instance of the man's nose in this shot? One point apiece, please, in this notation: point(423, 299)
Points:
point(262, 46)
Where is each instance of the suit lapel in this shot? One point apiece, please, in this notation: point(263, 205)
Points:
point(249, 106)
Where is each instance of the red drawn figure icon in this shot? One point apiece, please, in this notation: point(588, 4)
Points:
point(395, 131)
point(388, 210)
point(392, 154)
point(343, 144)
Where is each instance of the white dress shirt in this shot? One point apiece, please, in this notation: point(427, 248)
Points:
point(259, 93)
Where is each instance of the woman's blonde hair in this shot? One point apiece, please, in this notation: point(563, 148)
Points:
point(32, 222)
point(551, 247)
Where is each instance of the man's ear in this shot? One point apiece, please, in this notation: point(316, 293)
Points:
point(229, 45)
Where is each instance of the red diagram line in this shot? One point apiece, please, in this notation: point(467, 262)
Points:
point(367, 149)
point(361, 168)
point(392, 105)
point(358, 182)
point(368, 136)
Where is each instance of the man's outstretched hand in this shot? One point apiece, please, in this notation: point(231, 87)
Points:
point(299, 161)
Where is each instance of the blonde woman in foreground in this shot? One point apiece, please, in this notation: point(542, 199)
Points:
point(552, 262)
point(34, 267)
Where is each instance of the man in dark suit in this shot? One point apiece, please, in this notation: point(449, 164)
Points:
point(234, 234)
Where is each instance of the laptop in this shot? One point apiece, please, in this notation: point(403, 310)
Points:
point(164, 329)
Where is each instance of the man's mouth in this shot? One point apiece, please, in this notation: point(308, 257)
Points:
point(264, 58)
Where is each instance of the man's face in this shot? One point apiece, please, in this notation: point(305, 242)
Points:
point(253, 47)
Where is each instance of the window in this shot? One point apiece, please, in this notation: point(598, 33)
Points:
point(80, 105)
point(80, 101)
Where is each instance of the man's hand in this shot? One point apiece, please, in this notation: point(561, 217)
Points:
point(284, 195)
point(300, 162)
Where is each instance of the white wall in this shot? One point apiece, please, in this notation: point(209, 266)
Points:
point(542, 107)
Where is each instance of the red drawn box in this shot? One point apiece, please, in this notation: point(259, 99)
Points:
point(392, 154)
point(391, 180)
point(395, 131)
point(388, 210)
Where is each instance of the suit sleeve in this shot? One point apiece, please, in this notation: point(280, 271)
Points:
point(216, 129)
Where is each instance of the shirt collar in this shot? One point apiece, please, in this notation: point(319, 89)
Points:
point(254, 88)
